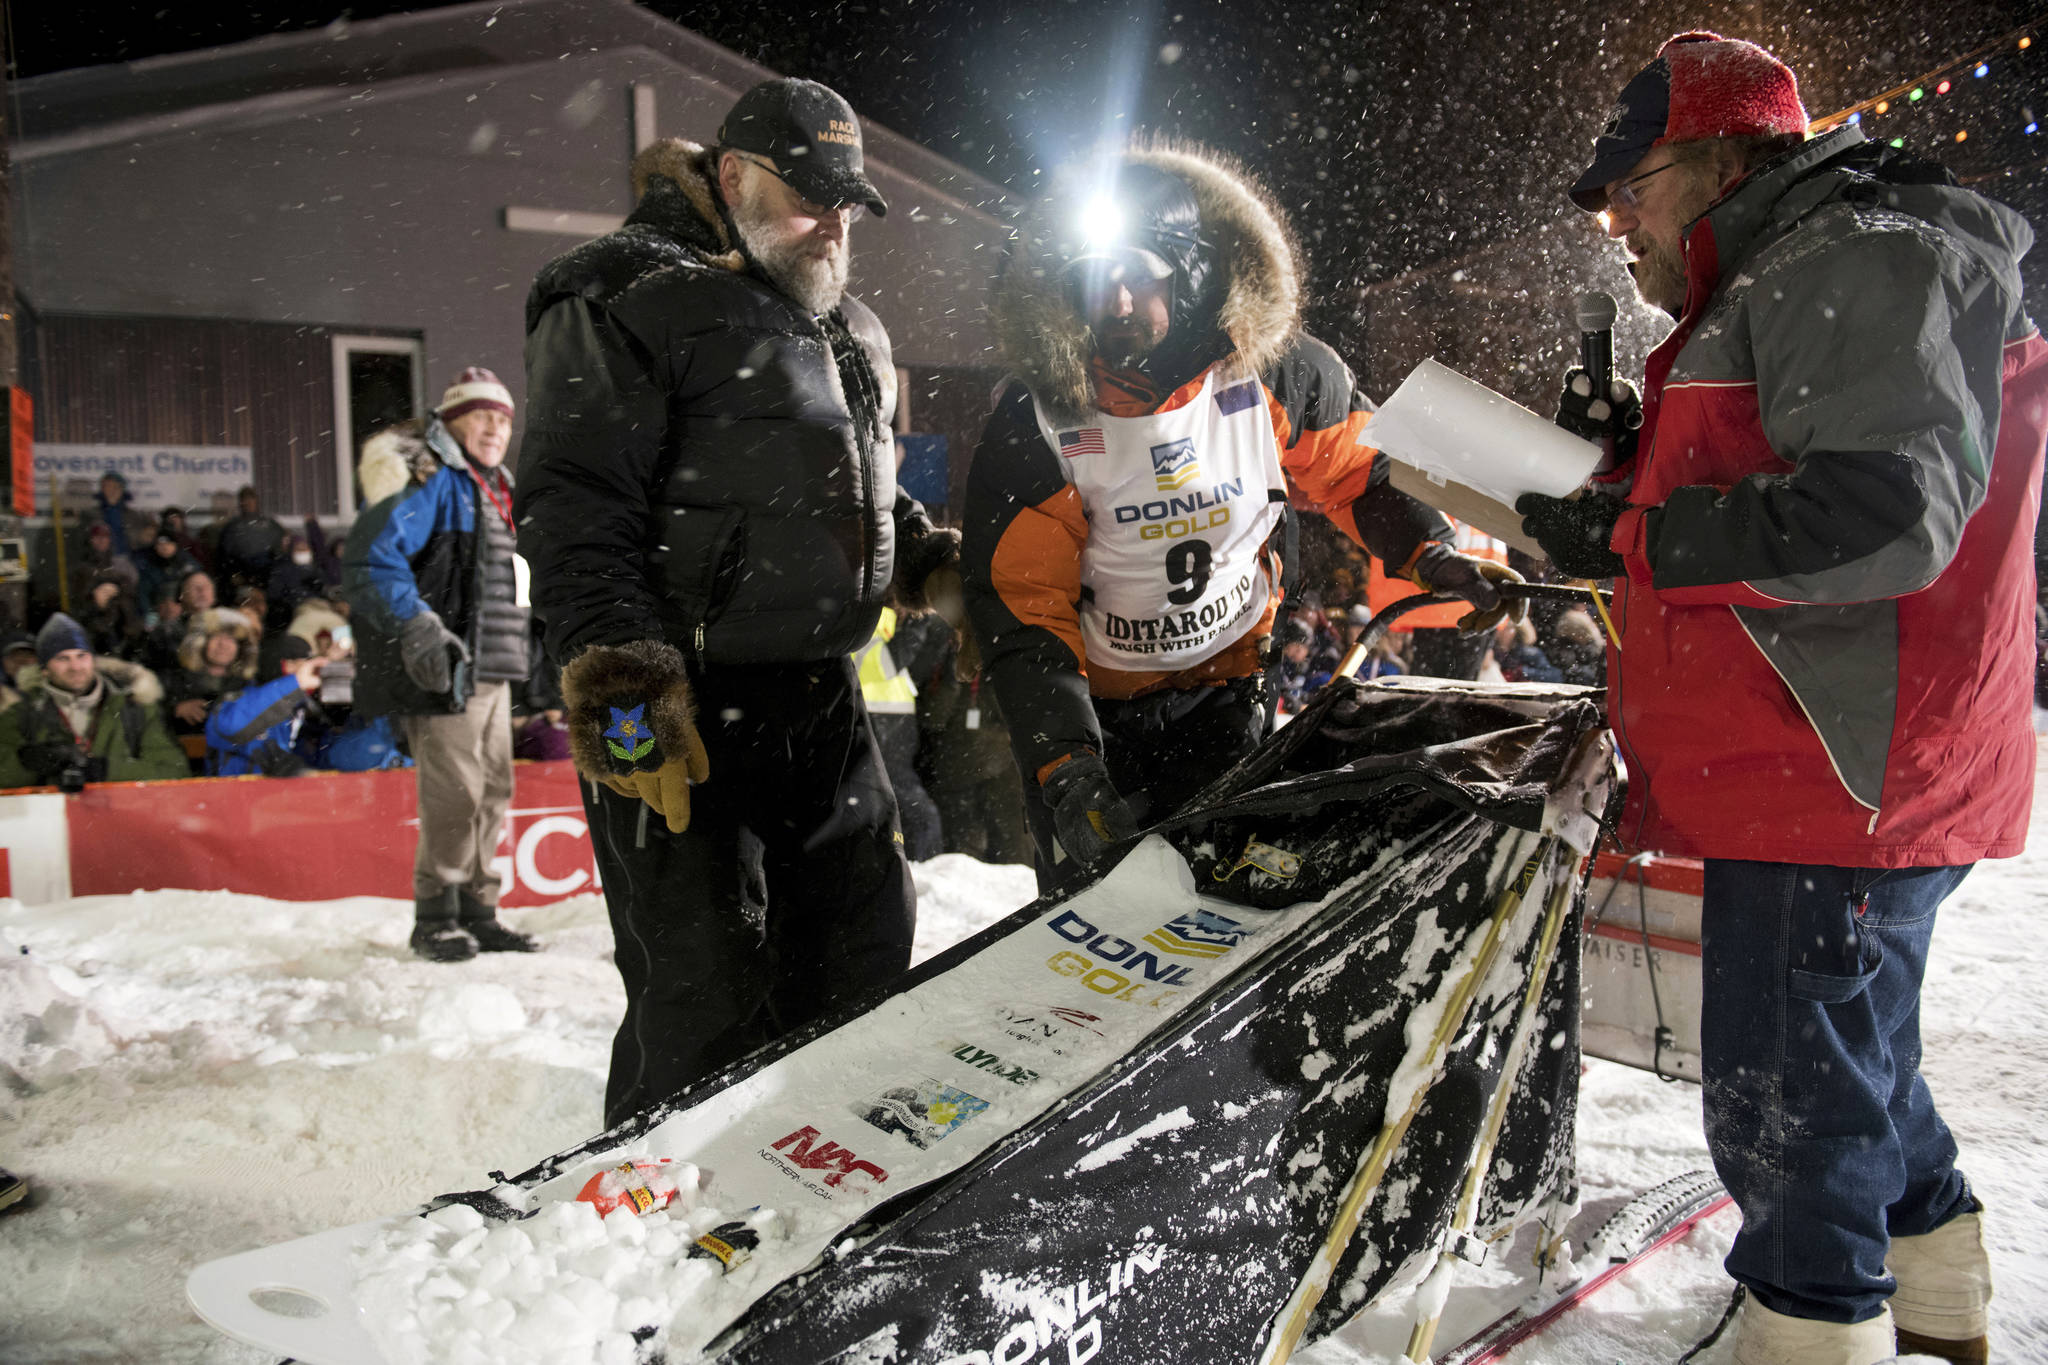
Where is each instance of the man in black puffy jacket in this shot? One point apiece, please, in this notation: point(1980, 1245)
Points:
point(709, 506)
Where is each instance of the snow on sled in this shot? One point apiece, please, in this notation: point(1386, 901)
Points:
point(1304, 1037)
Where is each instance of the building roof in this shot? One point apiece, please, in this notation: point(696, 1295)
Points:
point(289, 75)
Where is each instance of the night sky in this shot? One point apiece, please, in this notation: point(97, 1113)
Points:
point(1395, 135)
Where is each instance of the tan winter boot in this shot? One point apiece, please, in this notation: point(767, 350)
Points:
point(1766, 1338)
point(1942, 1302)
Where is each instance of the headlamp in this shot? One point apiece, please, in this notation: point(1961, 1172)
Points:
point(1101, 223)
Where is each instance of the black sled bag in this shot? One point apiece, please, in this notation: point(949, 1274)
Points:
point(1164, 1199)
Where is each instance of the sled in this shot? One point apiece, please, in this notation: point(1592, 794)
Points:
point(1205, 1107)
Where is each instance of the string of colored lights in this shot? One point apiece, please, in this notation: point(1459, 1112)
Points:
point(2019, 39)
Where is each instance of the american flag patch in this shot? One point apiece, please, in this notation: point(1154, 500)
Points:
point(1086, 441)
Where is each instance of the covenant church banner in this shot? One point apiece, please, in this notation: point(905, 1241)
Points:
point(158, 476)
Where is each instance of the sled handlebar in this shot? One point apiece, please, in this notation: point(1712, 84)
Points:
point(1551, 592)
point(1383, 620)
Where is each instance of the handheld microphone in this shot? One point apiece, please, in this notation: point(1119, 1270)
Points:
point(1596, 312)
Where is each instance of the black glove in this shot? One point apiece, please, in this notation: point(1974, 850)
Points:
point(423, 648)
point(1087, 814)
point(1574, 531)
point(1618, 417)
point(1439, 568)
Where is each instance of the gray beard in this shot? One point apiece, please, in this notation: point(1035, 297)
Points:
point(816, 282)
point(1660, 281)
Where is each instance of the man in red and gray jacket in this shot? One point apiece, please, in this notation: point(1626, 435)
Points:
point(1821, 542)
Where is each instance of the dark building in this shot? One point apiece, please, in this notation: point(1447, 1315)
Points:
point(276, 246)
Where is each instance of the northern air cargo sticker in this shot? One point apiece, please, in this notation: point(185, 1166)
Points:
point(821, 1165)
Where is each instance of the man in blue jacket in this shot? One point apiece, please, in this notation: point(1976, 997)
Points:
point(441, 627)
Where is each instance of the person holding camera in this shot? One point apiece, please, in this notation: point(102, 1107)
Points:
point(84, 719)
point(441, 634)
point(256, 730)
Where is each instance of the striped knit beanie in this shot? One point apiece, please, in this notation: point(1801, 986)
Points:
point(475, 388)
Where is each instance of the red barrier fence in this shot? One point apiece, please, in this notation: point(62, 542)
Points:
point(317, 837)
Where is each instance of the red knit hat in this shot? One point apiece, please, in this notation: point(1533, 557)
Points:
point(475, 388)
point(1724, 87)
point(1700, 86)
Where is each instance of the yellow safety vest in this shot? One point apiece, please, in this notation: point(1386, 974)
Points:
point(886, 688)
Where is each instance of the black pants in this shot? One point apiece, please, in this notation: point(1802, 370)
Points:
point(786, 897)
point(897, 735)
point(1161, 750)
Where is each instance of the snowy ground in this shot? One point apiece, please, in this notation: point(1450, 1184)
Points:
point(193, 1074)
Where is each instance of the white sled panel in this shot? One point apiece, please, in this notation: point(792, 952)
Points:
point(1641, 965)
point(313, 1272)
point(816, 1135)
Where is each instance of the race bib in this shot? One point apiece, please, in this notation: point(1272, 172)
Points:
point(1179, 506)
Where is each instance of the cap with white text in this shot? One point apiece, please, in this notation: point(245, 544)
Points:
point(811, 135)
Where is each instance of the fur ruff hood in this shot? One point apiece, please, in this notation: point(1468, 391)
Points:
point(688, 166)
point(131, 680)
point(394, 458)
point(409, 453)
point(220, 621)
point(1047, 346)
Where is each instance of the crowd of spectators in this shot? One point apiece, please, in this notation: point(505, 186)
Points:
point(233, 645)
point(176, 655)
point(223, 652)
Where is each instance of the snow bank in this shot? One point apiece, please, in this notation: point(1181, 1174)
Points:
point(568, 1286)
point(46, 1028)
point(193, 1074)
point(190, 1074)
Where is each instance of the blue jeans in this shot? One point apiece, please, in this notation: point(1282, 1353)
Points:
point(1817, 1118)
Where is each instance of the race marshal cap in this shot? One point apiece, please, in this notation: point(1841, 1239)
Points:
point(812, 136)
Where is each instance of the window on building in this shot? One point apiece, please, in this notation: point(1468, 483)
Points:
point(377, 381)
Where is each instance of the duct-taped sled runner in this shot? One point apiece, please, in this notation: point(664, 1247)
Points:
point(1306, 1040)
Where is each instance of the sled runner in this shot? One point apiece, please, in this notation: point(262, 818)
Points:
point(1297, 1041)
